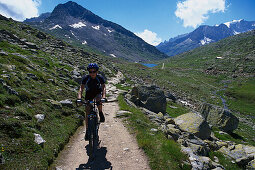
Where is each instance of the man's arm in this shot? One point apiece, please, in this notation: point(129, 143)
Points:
point(104, 91)
point(80, 91)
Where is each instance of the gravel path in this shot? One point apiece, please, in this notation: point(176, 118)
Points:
point(118, 148)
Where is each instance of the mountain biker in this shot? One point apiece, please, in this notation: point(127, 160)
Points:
point(95, 89)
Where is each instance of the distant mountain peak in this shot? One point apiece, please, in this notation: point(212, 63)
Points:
point(233, 22)
point(77, 25)
point(205, 34)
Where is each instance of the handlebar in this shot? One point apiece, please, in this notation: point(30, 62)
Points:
point(86, 102)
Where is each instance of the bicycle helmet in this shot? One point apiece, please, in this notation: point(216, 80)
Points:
point(93, 65)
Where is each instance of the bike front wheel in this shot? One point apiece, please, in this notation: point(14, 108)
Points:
point(93, 139)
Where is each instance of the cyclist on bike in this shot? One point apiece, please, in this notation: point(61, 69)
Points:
point(95, 89)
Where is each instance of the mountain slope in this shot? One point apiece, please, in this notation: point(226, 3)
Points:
point(220, 73)
point(204, 35)
point(38, 75)
point(77, 25)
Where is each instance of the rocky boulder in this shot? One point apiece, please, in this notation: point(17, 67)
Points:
point(149, 97)
point(219, 117)
point(244, 155)
point(195, 124)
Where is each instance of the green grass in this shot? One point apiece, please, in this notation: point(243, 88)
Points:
point(242, 135)
point(224, 161)
point(162, 152)
point(242, 97)
point(177, 109)
point(121, 87)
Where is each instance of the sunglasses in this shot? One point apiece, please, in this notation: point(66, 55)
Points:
point(92, 71)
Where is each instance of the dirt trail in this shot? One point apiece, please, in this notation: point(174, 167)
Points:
point(118, 149)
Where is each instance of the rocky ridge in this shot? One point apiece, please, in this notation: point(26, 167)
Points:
point(193, 132)
point(204, 35)
point(77, 25)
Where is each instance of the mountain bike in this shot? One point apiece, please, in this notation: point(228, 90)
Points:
point(93, 127)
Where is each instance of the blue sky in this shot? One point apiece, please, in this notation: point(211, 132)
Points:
point(153, 20)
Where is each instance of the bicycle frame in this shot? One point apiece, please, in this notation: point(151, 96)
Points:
point(93, 127)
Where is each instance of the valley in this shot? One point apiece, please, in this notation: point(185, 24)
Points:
point(43, 60)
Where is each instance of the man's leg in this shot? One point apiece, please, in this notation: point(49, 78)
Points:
point(100, 107)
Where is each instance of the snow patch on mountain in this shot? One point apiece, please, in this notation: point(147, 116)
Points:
point(96, 27)
point(109, 30)
point(205, 41)
point(232, 22)
point(78, 25)
point(113, 55)
point(235, 32)
point(67, 36)
point(84, 42)
point(55, 27)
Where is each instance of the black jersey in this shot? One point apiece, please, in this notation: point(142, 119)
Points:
point(93, 85)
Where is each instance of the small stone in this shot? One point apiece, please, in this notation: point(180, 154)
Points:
point(122, 113)
point(222, 133)
point(38, 139)
point(216, 159)
point(1, 159)
point(66, 102)
point(40, 117)
point(170, 121)
point(126, 149)
point(58, 168)
point(173, 107)
point(154, 130)
point(160, 115)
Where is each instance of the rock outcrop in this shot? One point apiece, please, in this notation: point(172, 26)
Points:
point(193, 133)
point(195, 124)
point(149, 97)
point(219, 117)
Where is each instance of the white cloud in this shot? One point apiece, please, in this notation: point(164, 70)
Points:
point(19, 9)
point(149, 37)
point(195, 12)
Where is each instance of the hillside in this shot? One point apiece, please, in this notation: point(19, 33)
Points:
point(203, 35)
point(38, 85)
point(77, 25)
point(220, 73)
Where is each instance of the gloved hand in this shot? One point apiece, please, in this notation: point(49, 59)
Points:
point(103, 100)
point(78, 102)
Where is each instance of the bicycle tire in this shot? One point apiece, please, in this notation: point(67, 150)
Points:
point(93, 137)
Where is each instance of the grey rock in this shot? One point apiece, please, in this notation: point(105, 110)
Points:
point(78, 116)
point(10, 90)
point(40, 117)
point(55, 104)
point(251, 164)
point(38, 139)
point(3, 53)
point(219, 117)
point(195, 124)
point(20, 55)
point(66, 102)
point(170, 96)
point(149, 97)
point(31, 75)
point(244, 160)
point(153, 130)
point(41, 35)
point(122, 113)
point(31, 45)
point(2, 161)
